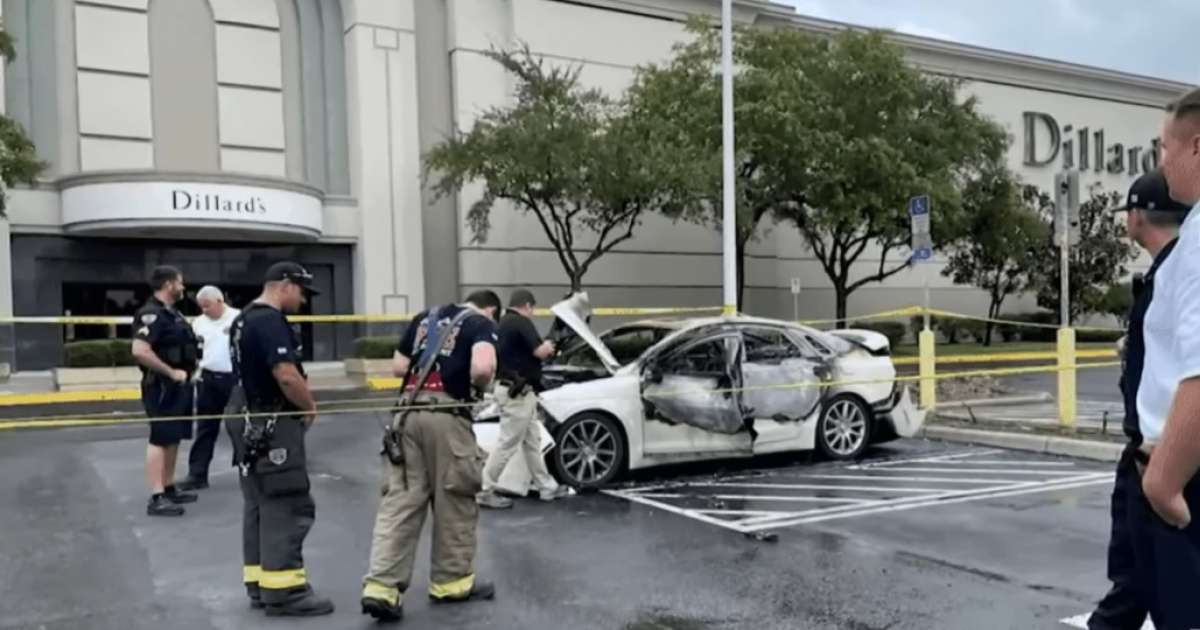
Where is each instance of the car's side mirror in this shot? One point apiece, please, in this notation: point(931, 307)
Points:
point(651, 372)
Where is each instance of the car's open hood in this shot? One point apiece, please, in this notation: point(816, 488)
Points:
point(574, 312)
point(868, 339)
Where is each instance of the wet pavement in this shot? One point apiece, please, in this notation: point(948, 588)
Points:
point(933, 540)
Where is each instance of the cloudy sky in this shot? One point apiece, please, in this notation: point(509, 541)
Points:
point(1159, 38)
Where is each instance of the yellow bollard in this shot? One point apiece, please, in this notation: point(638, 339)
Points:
point(1066, 377)
point(925, 345)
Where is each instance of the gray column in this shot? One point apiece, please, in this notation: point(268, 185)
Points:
point(183, 86)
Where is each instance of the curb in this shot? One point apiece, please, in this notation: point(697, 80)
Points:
point(1046, 444)
point(996, 402)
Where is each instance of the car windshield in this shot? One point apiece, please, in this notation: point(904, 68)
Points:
point(626, 344)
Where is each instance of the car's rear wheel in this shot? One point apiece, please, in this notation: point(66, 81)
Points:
point(590, 451)
point(844, 430)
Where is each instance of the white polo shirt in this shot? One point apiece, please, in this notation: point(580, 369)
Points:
point(1172, 330)
point(214, 336)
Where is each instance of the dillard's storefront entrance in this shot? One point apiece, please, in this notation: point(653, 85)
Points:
point(118, 227)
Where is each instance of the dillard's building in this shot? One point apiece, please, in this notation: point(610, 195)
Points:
point(222, 135)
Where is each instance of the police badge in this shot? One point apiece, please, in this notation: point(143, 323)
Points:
point(149, 318)
point(277, 456)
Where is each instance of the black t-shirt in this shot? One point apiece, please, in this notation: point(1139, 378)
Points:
point(454, 362)
point(260, 340)
point(518, 339)
point(168, 333)
point(1135, 347)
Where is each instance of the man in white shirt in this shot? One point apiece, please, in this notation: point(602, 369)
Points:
point(1166, 540)
point(215, 383)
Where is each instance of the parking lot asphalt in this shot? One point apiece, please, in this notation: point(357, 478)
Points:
point(921, 535)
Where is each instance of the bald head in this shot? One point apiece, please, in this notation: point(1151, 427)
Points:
point(1181, 148)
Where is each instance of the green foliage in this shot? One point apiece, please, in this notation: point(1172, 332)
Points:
point(894, 331)
point(1000, 250)
point(1012, 332)
point(1117, 301)
point(19, 163)
point(374, 347)
point(1097, 262)
point(579, 161)
point(98, 353)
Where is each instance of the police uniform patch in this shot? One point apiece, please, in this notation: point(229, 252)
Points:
point(144, 331)
point(277, 456)
point(149, 318)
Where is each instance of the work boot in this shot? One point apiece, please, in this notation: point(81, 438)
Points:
point(160, 505)
point(175, 496)
point(310, 605)
point(559, 492)
point(382, 611)
point(491, 500)
point(479, 590)
point(255, 594)
point(193, 482)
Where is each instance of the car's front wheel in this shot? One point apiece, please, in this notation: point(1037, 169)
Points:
point(590, 451)
point(844, 430)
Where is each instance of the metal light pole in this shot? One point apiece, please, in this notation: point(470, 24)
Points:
point(729, 211)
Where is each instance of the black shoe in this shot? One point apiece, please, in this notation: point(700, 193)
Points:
point(255, 595)
point(160, 505)
point(175, 496)
point(192, 483)
point(480, 590)
point(381, 610)
point(308, 606)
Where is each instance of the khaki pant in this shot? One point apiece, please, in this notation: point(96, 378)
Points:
point(518, 431)
point(442, 470)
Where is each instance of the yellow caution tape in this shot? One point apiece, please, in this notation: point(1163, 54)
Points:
point(371, 404)
point(1007, 357)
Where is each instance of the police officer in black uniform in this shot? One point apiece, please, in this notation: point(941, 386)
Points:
point(1153, 221)
point(167, 352)
point(269, 447)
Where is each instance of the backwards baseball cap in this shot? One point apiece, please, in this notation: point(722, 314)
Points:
point(521, 297)
point(291, 272)
point(1150, 192)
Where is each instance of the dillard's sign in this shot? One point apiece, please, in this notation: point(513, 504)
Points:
point(1083, 149)
point(185, 200)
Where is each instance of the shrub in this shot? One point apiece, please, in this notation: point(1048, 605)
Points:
point(894, 331)
point(374, 347)
point(1085, 336)
point(1031, 333)
point(974, 329)
point(98, 353)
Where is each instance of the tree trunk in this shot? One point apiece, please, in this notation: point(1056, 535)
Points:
point(841, 298)
point(993, 313)
point(576, 283)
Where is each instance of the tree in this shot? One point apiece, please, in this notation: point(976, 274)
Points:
point(1005, 235)
point(1118, 300)
point(1097, 262)
point(772, 119)
point(574, 158)
point(888, 132)
point(19, 163)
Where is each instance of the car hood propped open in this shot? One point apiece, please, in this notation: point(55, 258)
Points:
point(574, 312)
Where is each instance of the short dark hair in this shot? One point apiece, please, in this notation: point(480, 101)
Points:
point(163, 274)
point(1187, 105)
point(484, 298)
point(1163, 218)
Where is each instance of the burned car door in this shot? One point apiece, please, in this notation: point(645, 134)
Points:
point(695, 383)
point(781, 376)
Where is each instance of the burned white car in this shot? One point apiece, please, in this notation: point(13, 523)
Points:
point(677, 390)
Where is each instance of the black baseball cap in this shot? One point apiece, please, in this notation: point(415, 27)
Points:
point(1150, 192)
point(292, 272)
point(521, 297)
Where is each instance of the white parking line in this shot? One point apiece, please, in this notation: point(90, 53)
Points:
point(833, 500)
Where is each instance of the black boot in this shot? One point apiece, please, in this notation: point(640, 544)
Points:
point(381, 610)
point(479, 590)
point(160, 505)
point(193, 482)
point(307, 605)
point(175, 496)
point(255, 595)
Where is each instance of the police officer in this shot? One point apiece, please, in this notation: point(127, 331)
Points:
point(167, 352)
point(521, 351)
point(269, 447)
point(1153, 222)
point(433, 460)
